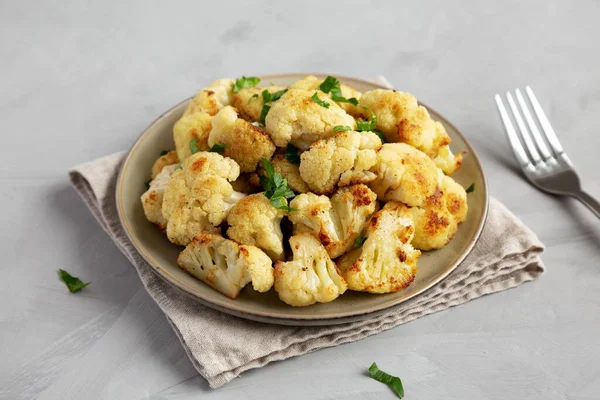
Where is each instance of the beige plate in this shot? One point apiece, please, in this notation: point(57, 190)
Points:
point(162, 255)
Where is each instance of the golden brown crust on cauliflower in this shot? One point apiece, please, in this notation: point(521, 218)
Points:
point(312, 83)
point(152, 199)
point(297, 119)
point(343, 159)
point(249, 101)
point(386, 262)
point(210, 100)
point(199, 196)
point(247, 183)
point(404, 174)
point(291, 172)
point(193, 125)
point(226, 266)
point(254, 221)
point(336, 222)
point(244, 142)
point(310, 277)
point(168, 159)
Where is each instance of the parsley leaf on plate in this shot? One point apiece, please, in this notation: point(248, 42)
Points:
point(263, 113)
point(328, 84)
point(268, 96)
point(320, 102)
point(164, 153)
point(471, 188)
point(276, 187)
point(73, 283)
point(381, 135)
point(244, 82)
point(339, 128)
point(194, 145)
point(332, 85)
point(218, 148)
point(367, 125)
point(392, 381)
point(291, 154)
point(342, 99)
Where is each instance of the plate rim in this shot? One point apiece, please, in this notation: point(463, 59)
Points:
point(305, 320)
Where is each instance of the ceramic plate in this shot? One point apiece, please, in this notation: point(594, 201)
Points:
point(153, 245)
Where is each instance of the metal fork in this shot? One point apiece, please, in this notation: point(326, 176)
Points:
point(544, 163)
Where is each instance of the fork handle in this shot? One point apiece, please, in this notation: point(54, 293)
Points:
point(589, 201)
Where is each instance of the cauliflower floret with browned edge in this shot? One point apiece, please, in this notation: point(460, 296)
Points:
point(402, 119)
point(311, 82)
point(254, 221)
point(192, 126)
point(152, 199)
point(447, 161)
point(336, 222)
point(310, 277)
point(436, 221)
point(291, 172)
point(226, 266)
point(249, 101)
point(164, 160)
point(213, 98)
point(244, 142)
point(404, 174)
point(199, 196)
point(343, 159)
point(247, 183)
point(297, 119)
point(386, 262)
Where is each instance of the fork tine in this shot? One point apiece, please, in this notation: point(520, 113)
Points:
point(546, 127)
point(513, 139)
point(523, 129)
point(537, 137)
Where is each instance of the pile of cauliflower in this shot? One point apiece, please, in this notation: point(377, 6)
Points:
point(313, 189)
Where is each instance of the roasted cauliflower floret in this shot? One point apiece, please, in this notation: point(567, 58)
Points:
point(199, 196)
point(312, 83)
point(437, 220)
point(247, 183)
point(343, 159)
point(447, 161)
point(226, 266)
point(254, 221)
point(310, 277)
point(210, 100)
point(404, 174)
point(297, 119)
point(249, 101)
point(152, 199)
point(192, 126)
point(336, 222)
point(244, 142)
point(164, 160)
point(386, 262)
point(402, 119)
point(291, 172)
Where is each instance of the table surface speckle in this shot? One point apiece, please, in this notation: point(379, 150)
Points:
point(83, 79)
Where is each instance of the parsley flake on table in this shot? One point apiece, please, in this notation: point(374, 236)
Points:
point(392, 381)
point(367, 125)
point(194, 145)
point(218, 148)
point(291, 154)
point(471, 188)
point(320, 102)
point(73, 283)
point(276, 187)
point(342, 128)
point(244, 82)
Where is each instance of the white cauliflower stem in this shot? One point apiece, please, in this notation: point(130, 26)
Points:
point(226, 266)
point(343, 159)
point(336, 222)
point(254, 221)
point(199, 196)
point(310, 277)
point(386, 262)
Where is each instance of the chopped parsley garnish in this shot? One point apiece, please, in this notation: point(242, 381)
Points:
point(367, 125)
point(291, 154)
point(218, 148)
point(244, 82)
point(263, 113)
point(276, 187)
point(320, 102)
point(194, 145)
point(73, 283)
point(381, 135)
point(254, 96)
point(268, 96)
point(164, 153)
point(342, 99)
point(471, 188)
point(358, 242)
point(179, 166)
point(392, 381)
point(147, 183)
point(342, 128)
point(330, 84)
